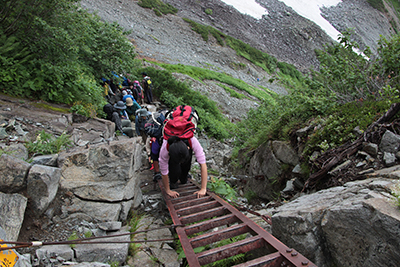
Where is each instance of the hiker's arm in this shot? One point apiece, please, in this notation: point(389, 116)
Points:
point(165, 181)
point(204, 175)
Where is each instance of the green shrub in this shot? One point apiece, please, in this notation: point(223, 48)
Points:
point(134, 220)
point(72, 237)
point(397, 198)
point(208, 11)
point(337, 128)
point(46, 143)
point(250, 195)
point(61, 52)
point(220, 187)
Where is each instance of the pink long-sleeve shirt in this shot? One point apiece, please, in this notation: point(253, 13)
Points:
point(164, 155)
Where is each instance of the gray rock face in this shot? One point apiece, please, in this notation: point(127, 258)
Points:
point(101, 173)
point(285, 153)
point(45, 253)
point(390, 142)
point(265, 167)
point(106, 252)
point(48, 160)
point(371, 149)
point(344, 226)
point(17, 151)
point(42, 186)
point(97, 210)
point(12, 210)
point(13, 173)
point(104, 179)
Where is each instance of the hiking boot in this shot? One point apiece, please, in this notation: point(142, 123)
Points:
point(189, 176)
point(157, 176)
point(173, 186)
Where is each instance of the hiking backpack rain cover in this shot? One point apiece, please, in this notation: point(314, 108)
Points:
point(181, 122)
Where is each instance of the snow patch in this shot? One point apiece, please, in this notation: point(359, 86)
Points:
point(309, 9)
point(251, 7)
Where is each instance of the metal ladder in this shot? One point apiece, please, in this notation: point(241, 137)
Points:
point(210, 219)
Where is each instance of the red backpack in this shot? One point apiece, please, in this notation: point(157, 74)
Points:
point(181, 122)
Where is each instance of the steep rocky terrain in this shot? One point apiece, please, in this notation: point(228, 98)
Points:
point(282, 33)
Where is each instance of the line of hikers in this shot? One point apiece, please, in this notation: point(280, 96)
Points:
point(169, 140)
point(140, 92)
point(168, 135)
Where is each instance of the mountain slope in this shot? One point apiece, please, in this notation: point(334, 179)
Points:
point(282, 33)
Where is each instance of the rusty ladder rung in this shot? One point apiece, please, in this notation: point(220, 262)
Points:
point(222, 234)
point(205, 214)
point(210, 224)
point(273, 259)
point(198, 208)
point(190, 203)
point(226, 251)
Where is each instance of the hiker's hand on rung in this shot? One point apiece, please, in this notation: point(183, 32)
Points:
point(201, 193)
point(172, 194)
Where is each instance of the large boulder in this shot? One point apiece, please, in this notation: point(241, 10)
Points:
point(265, 168)
point(103, 176)
point(390, 142)
point(14, 172)
point(348, 225)
point(285, 153)
point(42, 186)
point(12, 210)
point(105, 252)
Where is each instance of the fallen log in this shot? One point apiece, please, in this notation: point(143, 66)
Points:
point(347, 150)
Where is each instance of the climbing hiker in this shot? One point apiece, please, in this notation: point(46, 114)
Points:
point(122, 125)
point(153, 128)
point(131, 107)
point(147, 87)
point(177, 149)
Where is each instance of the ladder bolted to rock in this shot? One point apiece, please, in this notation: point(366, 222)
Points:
point(213, 220)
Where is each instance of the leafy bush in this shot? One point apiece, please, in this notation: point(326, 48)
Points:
point(61, 52)
point(89, 110)
point(208, 11)
point(46, 143)
point(337, 128)
point(397, 198)
point(342, 71)
point(348, 91)
point(388, 64)
point(220, 187)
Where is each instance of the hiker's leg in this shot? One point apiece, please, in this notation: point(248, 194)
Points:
point(185, 168)
point(175, 171)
